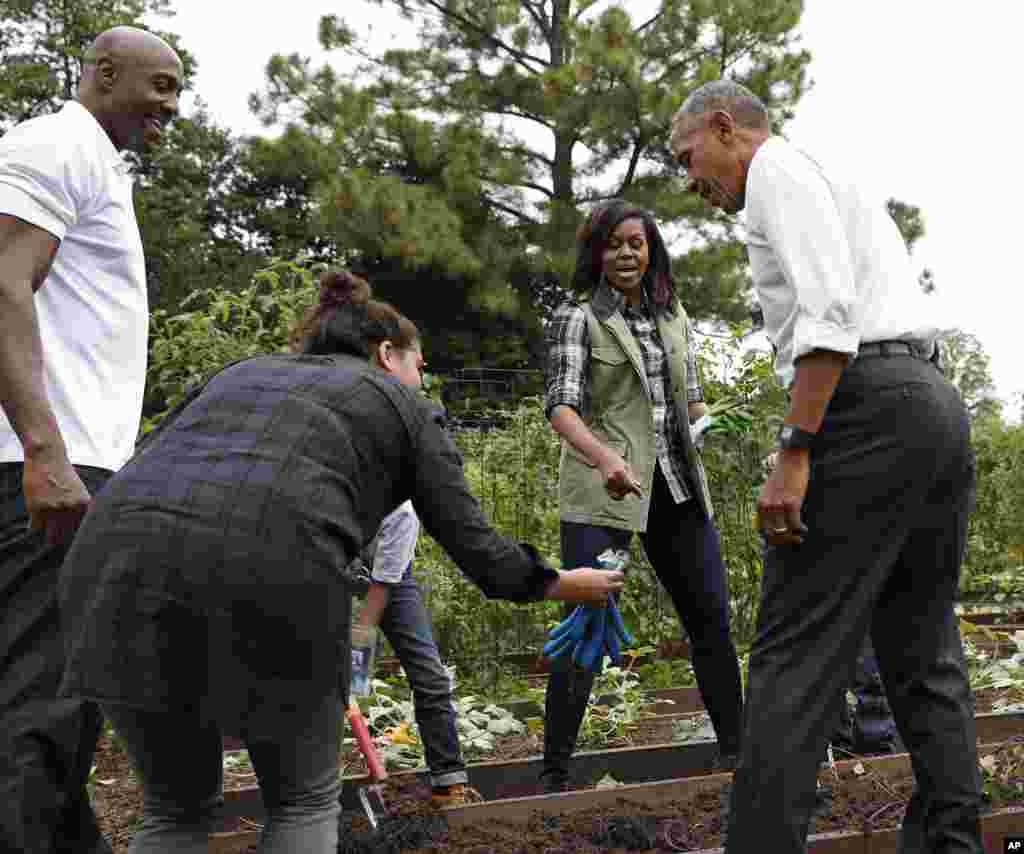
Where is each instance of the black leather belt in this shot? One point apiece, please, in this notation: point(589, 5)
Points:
point(891, 348)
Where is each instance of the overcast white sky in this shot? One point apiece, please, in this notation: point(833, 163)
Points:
point(916, 90)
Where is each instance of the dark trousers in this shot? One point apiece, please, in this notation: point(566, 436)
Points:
point(406, 624)
point(683, 547)
point(891, 486)
point(179, 760)
point(46, 744)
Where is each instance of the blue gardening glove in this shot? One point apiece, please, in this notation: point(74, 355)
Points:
point(562, 639)
point(589, 652)
point(572, 631)
point(615, 634)
point(591, 632)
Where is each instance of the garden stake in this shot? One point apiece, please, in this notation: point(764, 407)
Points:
point(370, 796)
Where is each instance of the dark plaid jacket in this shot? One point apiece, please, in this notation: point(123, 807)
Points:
point(207, 570)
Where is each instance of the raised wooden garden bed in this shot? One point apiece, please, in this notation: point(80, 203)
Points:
point(498, 780)
point(861, 815)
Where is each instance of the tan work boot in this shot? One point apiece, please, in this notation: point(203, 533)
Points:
point(456, 795)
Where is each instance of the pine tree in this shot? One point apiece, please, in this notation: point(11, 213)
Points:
point(477, 151)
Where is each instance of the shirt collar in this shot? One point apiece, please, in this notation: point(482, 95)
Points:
point(606, 301)
point(111, 156)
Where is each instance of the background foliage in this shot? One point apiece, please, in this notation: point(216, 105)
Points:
point(512, 467)
point(453, 173)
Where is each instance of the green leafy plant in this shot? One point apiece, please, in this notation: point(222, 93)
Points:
point(392, 723)
point(666, 673)
point(219, 325)
point(615, 721)
point(1002, 773)
point(693, 728)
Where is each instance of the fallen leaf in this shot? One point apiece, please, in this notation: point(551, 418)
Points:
point(859, 769)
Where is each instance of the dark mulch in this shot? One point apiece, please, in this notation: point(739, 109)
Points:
point(412, 826)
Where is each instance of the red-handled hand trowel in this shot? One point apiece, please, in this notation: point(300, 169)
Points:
point(370, 796)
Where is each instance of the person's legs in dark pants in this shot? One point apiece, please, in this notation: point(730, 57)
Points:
point(811, 625)
point(925, 672)
point(46, 744)
point(885, 444)
point(178, 759)
point(684, 550)
point(569, 686)
point(406, 625)
point(297, 767)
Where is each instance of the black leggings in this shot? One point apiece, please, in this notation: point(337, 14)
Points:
point(683, 548)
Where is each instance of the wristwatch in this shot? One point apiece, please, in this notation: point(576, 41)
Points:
point(791, 437)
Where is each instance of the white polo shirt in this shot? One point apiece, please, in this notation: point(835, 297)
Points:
point(62, 173)
point(829, 264)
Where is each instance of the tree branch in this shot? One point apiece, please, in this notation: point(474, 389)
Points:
point(638, 147)
point(529, 155)
point(538, 187)
point(647, 23)
point(522, 217)
point(522, 57)
point(673, 67)
point(515, 114)
point(538, 17)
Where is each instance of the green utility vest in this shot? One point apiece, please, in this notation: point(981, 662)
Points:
point(622, 418)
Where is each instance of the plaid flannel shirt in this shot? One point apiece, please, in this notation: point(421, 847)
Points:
point(568, 380)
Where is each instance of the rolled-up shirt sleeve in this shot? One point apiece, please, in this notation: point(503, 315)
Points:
point(568, 365)
point(396, 545)
point(791, 205)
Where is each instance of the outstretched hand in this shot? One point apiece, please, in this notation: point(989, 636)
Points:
point(586, 585)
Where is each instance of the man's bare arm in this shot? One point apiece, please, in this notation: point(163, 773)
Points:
point(782, 495)
point(817, 375)
point(55, 496)
point(26, 253)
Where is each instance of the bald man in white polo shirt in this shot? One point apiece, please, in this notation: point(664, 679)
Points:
point(73, 328)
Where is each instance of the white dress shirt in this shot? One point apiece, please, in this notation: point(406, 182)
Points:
point(62, 174)
point(829, 264)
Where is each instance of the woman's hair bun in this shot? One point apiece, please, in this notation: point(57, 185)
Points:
point(340, 287)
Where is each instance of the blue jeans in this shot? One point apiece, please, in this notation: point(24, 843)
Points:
point(406, 625)
point(178, 758)
point(683, 547)
point(871, 727)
